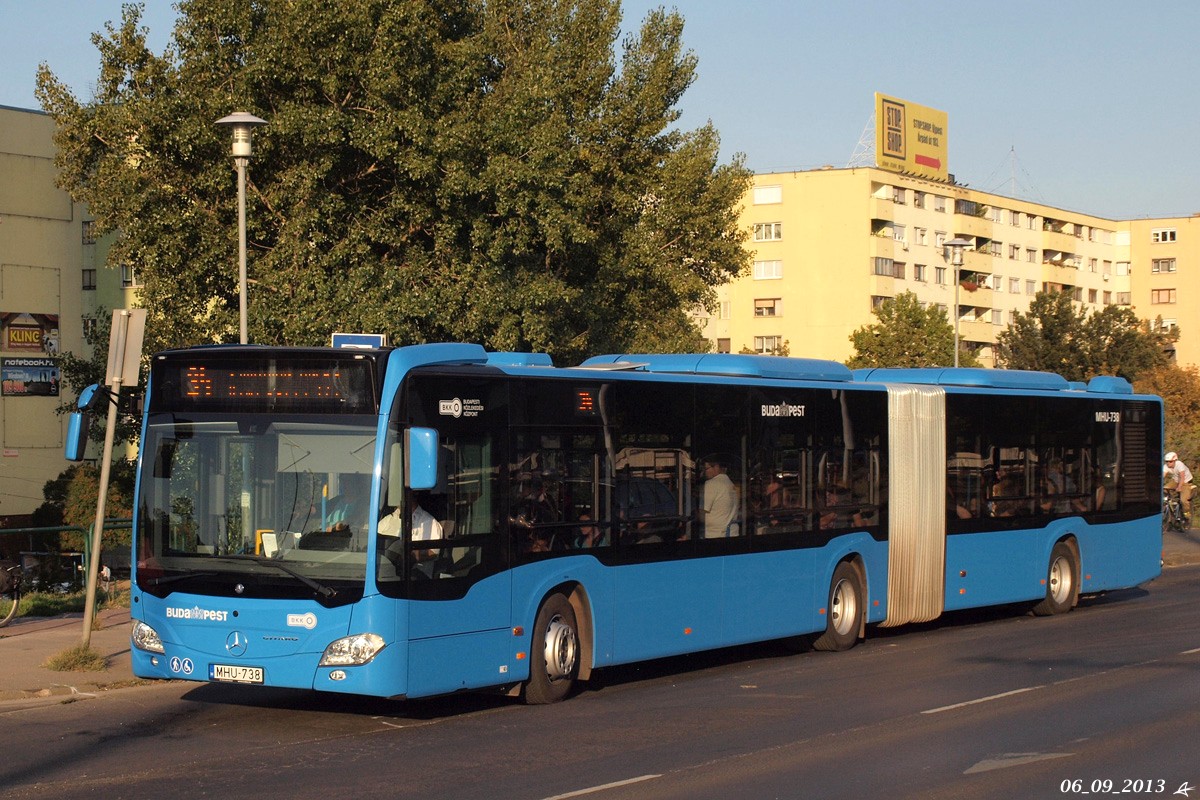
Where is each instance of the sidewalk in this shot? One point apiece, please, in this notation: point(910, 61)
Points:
point(27, 642)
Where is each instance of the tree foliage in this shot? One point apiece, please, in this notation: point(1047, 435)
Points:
point(907, 335)
point(432, 169)
point(1179, 387)
point(1056, 336)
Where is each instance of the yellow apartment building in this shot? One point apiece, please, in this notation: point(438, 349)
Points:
point(52, 277)
point(831, 244)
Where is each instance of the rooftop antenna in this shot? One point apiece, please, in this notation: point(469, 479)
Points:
point(864, 151)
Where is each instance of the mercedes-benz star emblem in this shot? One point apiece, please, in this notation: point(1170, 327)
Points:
point(236, 643)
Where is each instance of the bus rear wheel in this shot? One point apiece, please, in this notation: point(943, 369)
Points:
point(844, 612)
point(1062, 582)
point(554, 656)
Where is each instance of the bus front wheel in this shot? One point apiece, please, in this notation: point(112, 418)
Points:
point(844, 612)
point(1062, 582)
point(554, 656)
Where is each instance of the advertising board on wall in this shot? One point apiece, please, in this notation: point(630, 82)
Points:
point(910, 138)
point(29, 376)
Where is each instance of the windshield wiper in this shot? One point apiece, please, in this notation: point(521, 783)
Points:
point(319, 588)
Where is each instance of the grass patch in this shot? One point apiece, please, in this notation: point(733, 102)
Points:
point(77, 659)
point(53, 604)
point(50, 604)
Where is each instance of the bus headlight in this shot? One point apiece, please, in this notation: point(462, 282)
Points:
point(352, 650)
point(145, 638)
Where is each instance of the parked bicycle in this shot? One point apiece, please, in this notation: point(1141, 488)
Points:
point(10, 591)
point(1173, 516)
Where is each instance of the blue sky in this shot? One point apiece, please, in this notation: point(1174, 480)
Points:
point(1087, 105)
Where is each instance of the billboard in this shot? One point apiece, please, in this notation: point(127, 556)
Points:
point(29, 376)
point(910, 138)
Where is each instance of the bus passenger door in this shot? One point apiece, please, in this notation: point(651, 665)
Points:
point(459, 615)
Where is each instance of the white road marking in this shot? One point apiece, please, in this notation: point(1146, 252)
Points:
point(982, 700)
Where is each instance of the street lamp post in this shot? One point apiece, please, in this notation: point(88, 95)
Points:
point(242, 123)
point(955, 247)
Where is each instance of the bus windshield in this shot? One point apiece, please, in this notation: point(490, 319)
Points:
point(259, 506)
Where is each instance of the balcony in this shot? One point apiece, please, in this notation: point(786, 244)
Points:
point(977, 330)
point(980, 297)
point(1060, 273)
point(881, 208)
point(883, 246)
point(1061, 241)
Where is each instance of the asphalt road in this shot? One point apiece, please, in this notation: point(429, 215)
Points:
point(990, 705)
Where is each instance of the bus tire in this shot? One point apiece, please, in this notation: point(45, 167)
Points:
point(554, 656)
point(1062, 582)
point(844, 611)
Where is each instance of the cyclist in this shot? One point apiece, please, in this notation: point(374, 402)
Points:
point(1177, 472)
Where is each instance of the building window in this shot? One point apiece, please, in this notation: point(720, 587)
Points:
point(1161, 296)
point(1014, 285)
point(770, 307)
point(998, 283)
point(1092, 263)
point(1122, 267)
point(1014, 252)
point(767, 195)
point(918, 199)
point(1162, 265)
point(878, 300)
point(1162, 324)
point(939, 276)
point(884, 266)
point(1092, 295)
point(1124, 298)
point(1108, 298)
point(89, 280)
point(899, 269)
point(898, 233)
point(768, 231)
point(919, 272)
point(130, 278)
point(767, 344)
point(1031, 255)
point(1033, 223)
point(768, 270)
point(1015, 218)
point(723, 346)
point(898, 195)
point(1160, 235)
point(939, 239)
point(997, 316)
point(1030, 287)
point(921, 235)
point(89, 232)
point(89, 326)
point(726, 309)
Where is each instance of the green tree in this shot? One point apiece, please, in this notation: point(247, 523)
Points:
point(432, 169)
point(1056, 336)
point(907, 335)
point(1179, 387)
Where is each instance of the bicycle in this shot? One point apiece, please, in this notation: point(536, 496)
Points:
point(10, 591)
point(1173, 516)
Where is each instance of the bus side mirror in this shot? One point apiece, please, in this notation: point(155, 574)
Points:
point(422, 452)
point(78, 423)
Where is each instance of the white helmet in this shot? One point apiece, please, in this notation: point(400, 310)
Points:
point(1170, 456)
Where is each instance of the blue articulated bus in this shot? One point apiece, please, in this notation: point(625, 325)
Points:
point(423, 520)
